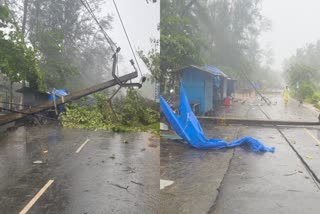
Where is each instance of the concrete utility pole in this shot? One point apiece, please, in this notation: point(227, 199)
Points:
point(73, 96)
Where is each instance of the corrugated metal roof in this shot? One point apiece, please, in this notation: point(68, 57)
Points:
point(30, 90)
point(209, 69)
point(214, 70)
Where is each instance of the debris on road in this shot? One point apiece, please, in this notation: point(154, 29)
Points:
point(290, 174)
point(153, 145)
point(171, 136)
point(122, 187)
point(163, 127)
point(165, 183)
point(137, 183)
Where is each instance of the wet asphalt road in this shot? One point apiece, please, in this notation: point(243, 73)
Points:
point(106, 176)
point(238, 180)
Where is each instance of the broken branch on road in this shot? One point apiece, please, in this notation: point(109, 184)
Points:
point(122, 187)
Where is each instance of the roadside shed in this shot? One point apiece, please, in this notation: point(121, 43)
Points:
point(7, 89)
point(4, 97)
point(204, 86)
point(32, 97)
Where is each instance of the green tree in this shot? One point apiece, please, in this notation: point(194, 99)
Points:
point(306, 60)
point(223, 33)
point(152, 60)
point(17, 62)
point(301, 73)
point(180, 45)
point(72, 48)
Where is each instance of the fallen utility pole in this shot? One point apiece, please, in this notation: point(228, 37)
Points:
point(72, 96)
point(256, 122)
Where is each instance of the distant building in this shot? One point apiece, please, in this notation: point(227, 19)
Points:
point(5, 98)
point(32, 97)
point(205, 86)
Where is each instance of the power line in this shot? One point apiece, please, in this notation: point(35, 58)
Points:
point(135, 58)
point(107, 37)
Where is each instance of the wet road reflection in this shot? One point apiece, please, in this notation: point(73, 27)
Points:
point(238, 180)
point(90, 181)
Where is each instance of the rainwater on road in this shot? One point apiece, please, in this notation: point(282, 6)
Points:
point(92, 171)
point(238, 180)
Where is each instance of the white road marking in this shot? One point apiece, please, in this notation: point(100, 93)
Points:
point(79, 149)
point(316, 139)
point(36, 197)
point(37, 161)
point(165, 183)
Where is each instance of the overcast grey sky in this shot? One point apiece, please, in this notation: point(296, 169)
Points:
point(294, 24)
point(140, 20)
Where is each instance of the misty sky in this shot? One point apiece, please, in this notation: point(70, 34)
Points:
point(140, 20)
point(294, 24)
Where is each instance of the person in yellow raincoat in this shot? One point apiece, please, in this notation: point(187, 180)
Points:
point(286, 95)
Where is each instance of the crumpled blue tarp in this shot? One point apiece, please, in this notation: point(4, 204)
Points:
point(58, 93)
point(188, 127)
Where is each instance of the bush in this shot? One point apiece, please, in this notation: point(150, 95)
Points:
point(305, 92)
point(317, 105)
point(316, 97)
point(132, 112)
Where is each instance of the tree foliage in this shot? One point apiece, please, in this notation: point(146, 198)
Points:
point(303, 79)
point(301, 73)
point(18, 62)
point(72, 50)
point(180, 44)
point(69, 41)
point(304, 65)
point(131, 113)
point(223, 33)
point(152, 60)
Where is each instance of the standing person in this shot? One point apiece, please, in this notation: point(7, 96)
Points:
point(286, 95)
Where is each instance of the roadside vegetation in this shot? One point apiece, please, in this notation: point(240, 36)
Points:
point(18, 61)
point(302, 74)
point(220, 33)
point(129, 113)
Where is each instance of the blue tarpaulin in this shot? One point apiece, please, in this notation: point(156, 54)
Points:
point(214, 70)
point(187, 126)
point(58, 93)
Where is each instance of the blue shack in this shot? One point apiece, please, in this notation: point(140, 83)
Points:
point(205, 86)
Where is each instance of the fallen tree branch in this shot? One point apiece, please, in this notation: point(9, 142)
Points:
point(122, 187)
point(137, 183)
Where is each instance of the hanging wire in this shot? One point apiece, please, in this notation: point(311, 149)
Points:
point(135, 58)
point(107, 37)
